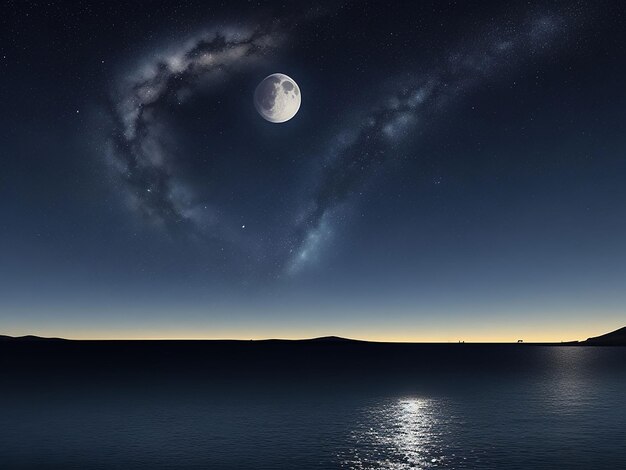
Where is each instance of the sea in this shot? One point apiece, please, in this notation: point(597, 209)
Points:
point(310, 405)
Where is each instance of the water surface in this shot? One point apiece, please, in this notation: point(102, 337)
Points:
point(311, 406)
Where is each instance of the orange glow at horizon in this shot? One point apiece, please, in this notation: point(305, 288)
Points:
point(499, 335)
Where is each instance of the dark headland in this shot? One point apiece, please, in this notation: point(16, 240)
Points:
point(614, 338)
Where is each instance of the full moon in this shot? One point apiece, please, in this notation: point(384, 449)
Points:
point(277, 98)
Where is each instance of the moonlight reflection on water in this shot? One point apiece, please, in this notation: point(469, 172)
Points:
point(402, 434)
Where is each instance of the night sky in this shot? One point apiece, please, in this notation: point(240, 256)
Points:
point(456, 170)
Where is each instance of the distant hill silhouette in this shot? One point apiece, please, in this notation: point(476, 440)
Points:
point(614, 338)
point(331, 339)
point(321, 339)
point(28, 338)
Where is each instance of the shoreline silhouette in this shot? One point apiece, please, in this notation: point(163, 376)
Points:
point(613, 338)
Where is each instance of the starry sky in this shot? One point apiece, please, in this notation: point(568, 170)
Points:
point(455, 172)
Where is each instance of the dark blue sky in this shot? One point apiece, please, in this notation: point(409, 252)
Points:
point(454, 172)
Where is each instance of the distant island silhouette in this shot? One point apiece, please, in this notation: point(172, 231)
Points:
point(614, 338)
point(29, 338)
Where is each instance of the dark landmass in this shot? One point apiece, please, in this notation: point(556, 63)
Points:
point(29, 338)
point(331, 339)
point(614, 338)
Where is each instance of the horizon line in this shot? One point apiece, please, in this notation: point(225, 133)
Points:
point(313, 338)
point(578, 336)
